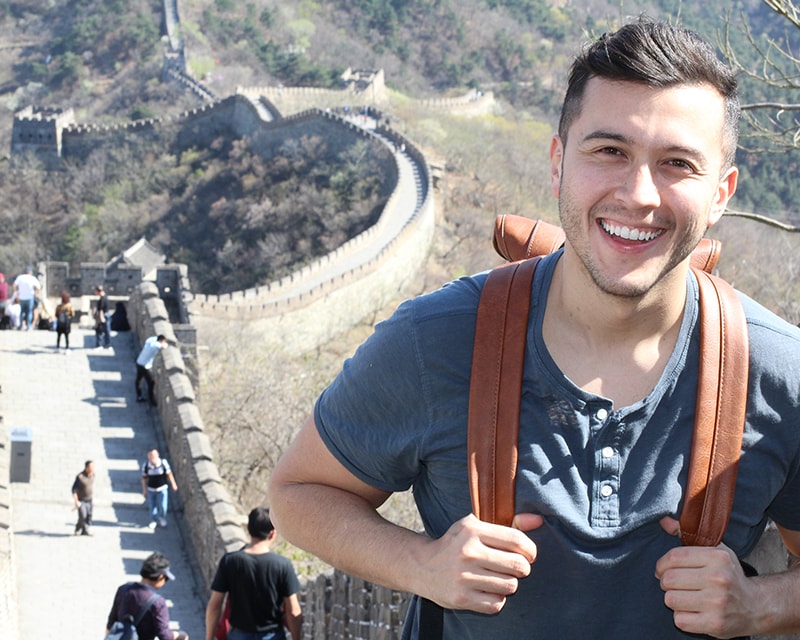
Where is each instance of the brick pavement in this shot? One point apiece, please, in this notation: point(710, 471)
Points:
point(82, 406)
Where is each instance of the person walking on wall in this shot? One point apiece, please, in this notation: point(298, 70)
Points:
point(26, 288)
point(102, 319)
point(144, 367)
point(141, 601)
point(157, 478)
point(261, 586)
point(3, 295)
point(82, 495)
point(64, 315)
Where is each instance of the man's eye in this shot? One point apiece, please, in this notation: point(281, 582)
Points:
point(682, 164)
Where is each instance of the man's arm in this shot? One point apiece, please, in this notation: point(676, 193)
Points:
point(172, 482)
point(709, 593)
point(213, 613)
point(320, 506)
point(293, 616)
point(75, 494)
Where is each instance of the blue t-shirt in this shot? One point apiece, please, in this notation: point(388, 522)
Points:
point(602, 476)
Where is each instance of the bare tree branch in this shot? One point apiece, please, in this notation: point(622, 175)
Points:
point(783, 226)
point(785, 8)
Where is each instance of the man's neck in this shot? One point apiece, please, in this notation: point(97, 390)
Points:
point(609, 345)
point(258, 546)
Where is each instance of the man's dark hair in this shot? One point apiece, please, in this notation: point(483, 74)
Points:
point(656, 54)
point(155, 566)
point(259, 524)
point(161, 337)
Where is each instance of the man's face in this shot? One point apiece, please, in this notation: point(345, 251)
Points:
point(639, 180)
point(153, 456)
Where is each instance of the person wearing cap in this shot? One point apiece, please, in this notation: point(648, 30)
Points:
point(261, 586)
point(26, 287)
point(133, 597)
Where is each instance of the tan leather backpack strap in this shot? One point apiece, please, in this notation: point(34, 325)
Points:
point(720, 413)
point(519, 238)
point(498, 361)
point(706, 255)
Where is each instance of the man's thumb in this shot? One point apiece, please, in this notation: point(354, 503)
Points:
point(527, 521)
point(670, 525)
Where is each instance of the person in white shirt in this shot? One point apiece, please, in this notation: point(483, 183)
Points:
point(26, 286)
point(144, 366)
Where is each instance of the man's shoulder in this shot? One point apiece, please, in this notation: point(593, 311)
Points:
point(765, 325)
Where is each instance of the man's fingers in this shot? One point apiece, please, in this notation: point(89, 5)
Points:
point(527, 521)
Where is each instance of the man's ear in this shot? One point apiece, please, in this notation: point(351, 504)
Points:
point(556, 158)
point(725, 190)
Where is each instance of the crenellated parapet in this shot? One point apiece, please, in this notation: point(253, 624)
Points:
point(39, 130)
point(215, 522)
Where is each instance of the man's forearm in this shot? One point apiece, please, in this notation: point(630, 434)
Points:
point(295, 626)
point(780, 594)
point(345, 531)
point(213, 611)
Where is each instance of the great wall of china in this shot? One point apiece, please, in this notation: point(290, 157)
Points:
point(299, 311)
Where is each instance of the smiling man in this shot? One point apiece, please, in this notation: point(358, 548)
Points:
point(642, 165)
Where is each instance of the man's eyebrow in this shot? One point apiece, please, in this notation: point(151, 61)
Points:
point(605, 135)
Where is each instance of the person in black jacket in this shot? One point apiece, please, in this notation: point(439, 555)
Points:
point(102, 319)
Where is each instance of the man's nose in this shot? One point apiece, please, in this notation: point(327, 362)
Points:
point(639, 188)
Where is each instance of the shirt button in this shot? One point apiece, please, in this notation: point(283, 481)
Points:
point(606, 490)
point(601, 414)
point(608, 452)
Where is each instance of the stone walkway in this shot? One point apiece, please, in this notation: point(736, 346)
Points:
point(80, 406)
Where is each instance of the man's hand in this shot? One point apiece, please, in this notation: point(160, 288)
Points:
point(707, 589)
point(477, 565)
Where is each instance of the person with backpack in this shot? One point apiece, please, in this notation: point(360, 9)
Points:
point(643, 163)
point(64, 315)
point(156, 479)
point(139, 605)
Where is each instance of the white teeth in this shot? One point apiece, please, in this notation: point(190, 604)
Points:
point(630, 234)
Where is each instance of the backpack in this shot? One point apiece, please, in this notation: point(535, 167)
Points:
point(125, 629)
point(496, 390)
point(496, 381)
point(63, 320)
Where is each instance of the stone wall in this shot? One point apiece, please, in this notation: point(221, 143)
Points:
point(324, 298)
point(8, 582)
point(335, 606)
point(212, 519)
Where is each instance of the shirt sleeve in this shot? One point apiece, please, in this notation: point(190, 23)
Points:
point(400, 401)
point(161, 620)
point(114, 613)
point(370, 415)
point(220, 581)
